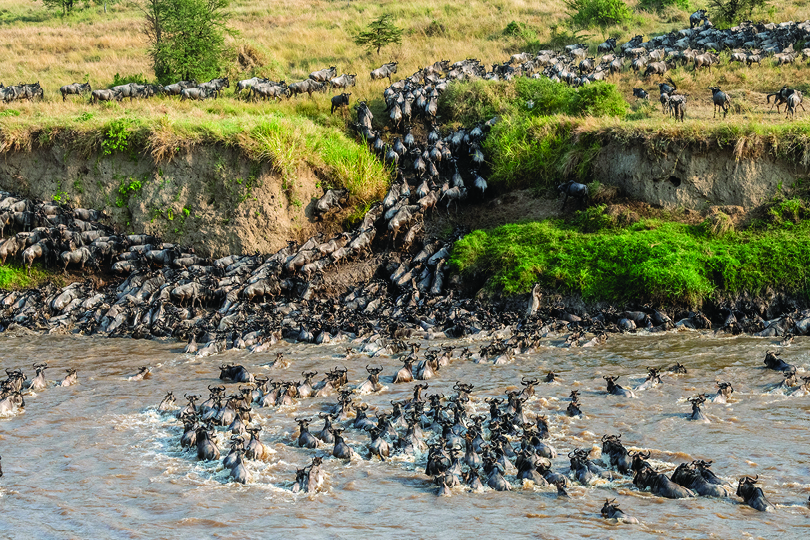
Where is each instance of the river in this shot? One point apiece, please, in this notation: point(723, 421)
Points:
point(96, 460)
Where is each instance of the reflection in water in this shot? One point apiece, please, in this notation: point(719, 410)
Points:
point(96, 460)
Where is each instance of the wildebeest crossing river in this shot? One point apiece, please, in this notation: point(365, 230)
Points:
point(97, 460)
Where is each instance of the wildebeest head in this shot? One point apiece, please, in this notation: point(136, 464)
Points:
point(747, 488)
point(639, 460)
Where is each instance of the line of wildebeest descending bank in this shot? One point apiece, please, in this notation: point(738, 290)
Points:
point(699, 46)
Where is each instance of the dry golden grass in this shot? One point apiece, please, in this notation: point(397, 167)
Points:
point(287, 39)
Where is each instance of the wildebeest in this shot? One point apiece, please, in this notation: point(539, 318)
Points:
point(752, 495)
point(611, 510)
point(198, 93)
point(340, 101)
point(785, 58)
point(689, 476)
point(329, 200)
point(617, 390)
point(215, 85)
point(660, 484)
point(705, 60)
point(344, 81)
point(80, 256)
point(247, 84)
point(573, 189)
point(268, 90)
point(235, 373)
point(780, 97)
point(608, 46)
point(42, 249)
point(176, 88)
point(640, 93)
point(131, 90)
point(619, 458)
point(772, 361)
point(364, 115)
point(698, 17)
point(105, 95)
point(323, 75)
point(677, 106)
point(794, 100)
point(656, 68)
point(307, 86)
point(75, 88)
point(720, 100)
point(386, 70)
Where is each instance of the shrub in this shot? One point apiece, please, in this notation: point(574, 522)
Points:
point(126, 79)
point(598, 99)
point(513, 29)
point(730, 12)
point(599, 13)
point(543, 96)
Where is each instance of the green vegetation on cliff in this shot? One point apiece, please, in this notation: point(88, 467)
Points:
point(14, 276)
point(287, 141)
point(648, 261)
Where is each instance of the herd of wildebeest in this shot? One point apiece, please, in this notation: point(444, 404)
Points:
point(251, 302)
point(699, 46)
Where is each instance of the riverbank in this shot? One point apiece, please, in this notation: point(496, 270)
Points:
point(612, 255)
point(222, 185)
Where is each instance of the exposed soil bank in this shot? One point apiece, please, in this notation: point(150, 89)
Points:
point(691, 177)
point(209, 197)
point(213, 198)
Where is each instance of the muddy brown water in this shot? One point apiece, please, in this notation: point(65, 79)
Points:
point(96, 460)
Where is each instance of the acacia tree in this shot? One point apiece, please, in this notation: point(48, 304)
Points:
point(186, 37)
point(379, 33)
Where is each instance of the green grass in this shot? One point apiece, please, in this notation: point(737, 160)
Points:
point(665, 263)
point(14, 276)
point(287, 140)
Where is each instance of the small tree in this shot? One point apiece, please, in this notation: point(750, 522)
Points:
point(379, 33)
point(601, 13)
point(186, 37)
point(66, 6)
point(729, 12)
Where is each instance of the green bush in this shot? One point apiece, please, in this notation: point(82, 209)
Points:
point(116, 136)
point(599, 13)
point(543, 97)
point(598, 99)
point(513, 29)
